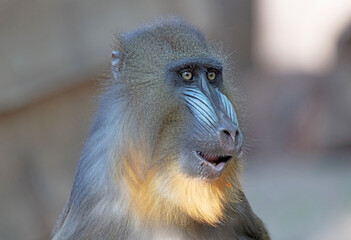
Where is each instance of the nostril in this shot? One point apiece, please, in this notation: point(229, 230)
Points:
point(227, 137)
point(226, 133)
point(237, 137)
point(231, 139)
point(238, 141)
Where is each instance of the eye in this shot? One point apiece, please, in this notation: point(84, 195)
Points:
point(187, 75)
point(211, 76)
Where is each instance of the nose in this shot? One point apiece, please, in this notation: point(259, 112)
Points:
point(230, 138)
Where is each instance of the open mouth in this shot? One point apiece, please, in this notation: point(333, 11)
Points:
point(218, 162)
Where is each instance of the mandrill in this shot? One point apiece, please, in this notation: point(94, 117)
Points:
point(163, 158)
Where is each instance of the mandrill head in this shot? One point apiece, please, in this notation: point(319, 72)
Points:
point(180, 154)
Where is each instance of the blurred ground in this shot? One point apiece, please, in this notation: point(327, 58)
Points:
point(301, 196)
point(294, 60)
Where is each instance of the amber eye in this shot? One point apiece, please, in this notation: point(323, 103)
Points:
point(211, 76)
point(187, 75)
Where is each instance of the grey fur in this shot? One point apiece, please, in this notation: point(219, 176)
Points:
point(98, 207)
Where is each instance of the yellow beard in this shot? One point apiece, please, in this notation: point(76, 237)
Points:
point(169, 196)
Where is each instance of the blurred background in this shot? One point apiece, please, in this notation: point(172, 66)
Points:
point(294, 60)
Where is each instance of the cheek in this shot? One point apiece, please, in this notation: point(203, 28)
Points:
point(175, 146)
point(172, 130)
point(168, 141)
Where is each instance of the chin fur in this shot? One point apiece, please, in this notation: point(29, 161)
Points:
point(168, 196)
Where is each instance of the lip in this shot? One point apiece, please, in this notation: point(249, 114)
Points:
point(213, 164)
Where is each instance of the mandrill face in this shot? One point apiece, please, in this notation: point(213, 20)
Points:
point(213, 137)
